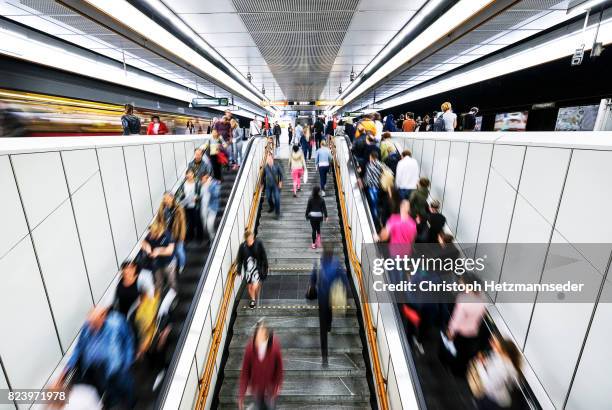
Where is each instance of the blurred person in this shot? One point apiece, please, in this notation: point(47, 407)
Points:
point(223, 126)
point(400, 230)
point(307, 142)
point(409, 123)
point(252, 259)
point(130, 287)
point(156, 126)
point(324, 279)
point(469, 119)
point(340, 130)
point(406, 175)
point(297, 136)
point(277, 131)
point(432, 121)
point(318, 129)
point(216, 154)
point(418, 199)
point(236, 147)
point(200, 164)
point(297, 165)
point(386, 146)
point(390, 124)
point(172, 215)
point(349, 129)
point(158, 246)
point(424, 125)
point(464, 327)
point(315, 212)
point(273, 175)
point(497, 374)
point(374, 170)
point(290, 134)
point(255, 127)
point(323, 160)
point(262, 369)
point(190, 201)
point(329, 128)
point(389, 198)
point(103, 357)
point(210, 194)
point(130, 122)
point(379, 126)
point(366, 127)
point(436, 222)
point(190, 127)
point(10, 124)
point(449, 117)
point(400, 122)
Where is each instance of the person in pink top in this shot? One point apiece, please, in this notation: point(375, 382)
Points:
point(464, 328)
point(400, 230)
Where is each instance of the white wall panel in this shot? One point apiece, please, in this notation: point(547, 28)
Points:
point(41, 183)
point(454, 183)
point(96, 237)
point(167, 151)
point(592, 386)
point(4, 385)
point(29, 345)
point(139, 186)
point(114, 178)
point(156, 173)
point(543, 177)
point(427, 159)
point(180, 158)
point(79, 166)
point(189, 149)
point(557, 330)
point(12, 219)
point(438, 175)
point(61, 262)
point(417, 153)
point(588, 182)
point(189, 395)
point(507, 162)
point(474, 187)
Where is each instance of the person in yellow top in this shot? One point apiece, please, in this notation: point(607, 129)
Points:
point(386, 146)
point(366, 126)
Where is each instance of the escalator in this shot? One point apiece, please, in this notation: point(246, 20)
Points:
point(187, 286)
point(294, 320)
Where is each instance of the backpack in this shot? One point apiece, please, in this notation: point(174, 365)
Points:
point(439, 124)
point(392, 160)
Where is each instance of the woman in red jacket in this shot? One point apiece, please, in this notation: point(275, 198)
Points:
point(262, 369)
point(156, 127)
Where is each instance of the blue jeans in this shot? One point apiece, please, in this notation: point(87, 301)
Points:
point(405, 193)
point(307, 149)
point(273, 196)
point(179, 252)
point(373, 197)
point(323, 176)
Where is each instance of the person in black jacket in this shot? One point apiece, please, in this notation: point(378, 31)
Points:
point(130, 122)
point(319, 127)
point(277, 133)
point(253, 260)
point(315, 212)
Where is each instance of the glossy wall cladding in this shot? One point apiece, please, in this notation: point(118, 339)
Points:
point(536, 188)
point(72, 210)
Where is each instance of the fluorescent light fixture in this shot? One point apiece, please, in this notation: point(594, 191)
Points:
point(127, 14)
point(549, 51)
point(583, 5)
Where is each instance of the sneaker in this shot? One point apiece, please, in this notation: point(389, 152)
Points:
point(252, 304)
point(270, 210)
point(294, 195)
point(300, 189)
point(318, 241)
point(325, 363)
point(322, 193)
point(313, 246)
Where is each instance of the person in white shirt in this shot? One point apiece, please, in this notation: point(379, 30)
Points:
point(379, 127)
point(255, 127)
point(449, 117)
point(406, 175)
point(297, 134)
point(189, 200)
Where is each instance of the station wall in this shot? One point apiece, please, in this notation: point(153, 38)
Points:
point(542, 189)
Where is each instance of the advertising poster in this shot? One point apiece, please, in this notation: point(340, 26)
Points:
point(511, 121)
point(580, 118)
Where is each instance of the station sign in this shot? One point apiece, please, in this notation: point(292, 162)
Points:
point(296, 103)
point(210, 102)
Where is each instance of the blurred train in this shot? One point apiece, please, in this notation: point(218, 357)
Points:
point(25, 114)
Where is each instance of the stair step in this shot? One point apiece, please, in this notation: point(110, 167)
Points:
point(306, 390)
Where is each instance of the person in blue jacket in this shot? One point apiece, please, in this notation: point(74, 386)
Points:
point(323, 278)
point(210, 194)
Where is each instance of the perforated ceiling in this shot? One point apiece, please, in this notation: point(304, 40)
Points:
point(298, 39)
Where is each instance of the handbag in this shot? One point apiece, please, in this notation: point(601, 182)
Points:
point(305, 176)
point(474, 380)
point(222, 158)
point(311, 292)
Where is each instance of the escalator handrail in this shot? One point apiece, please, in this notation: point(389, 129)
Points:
point(403, 339)
point(187, 323)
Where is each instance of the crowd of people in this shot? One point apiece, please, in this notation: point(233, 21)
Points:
point(134, 328)
point(445, 120)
